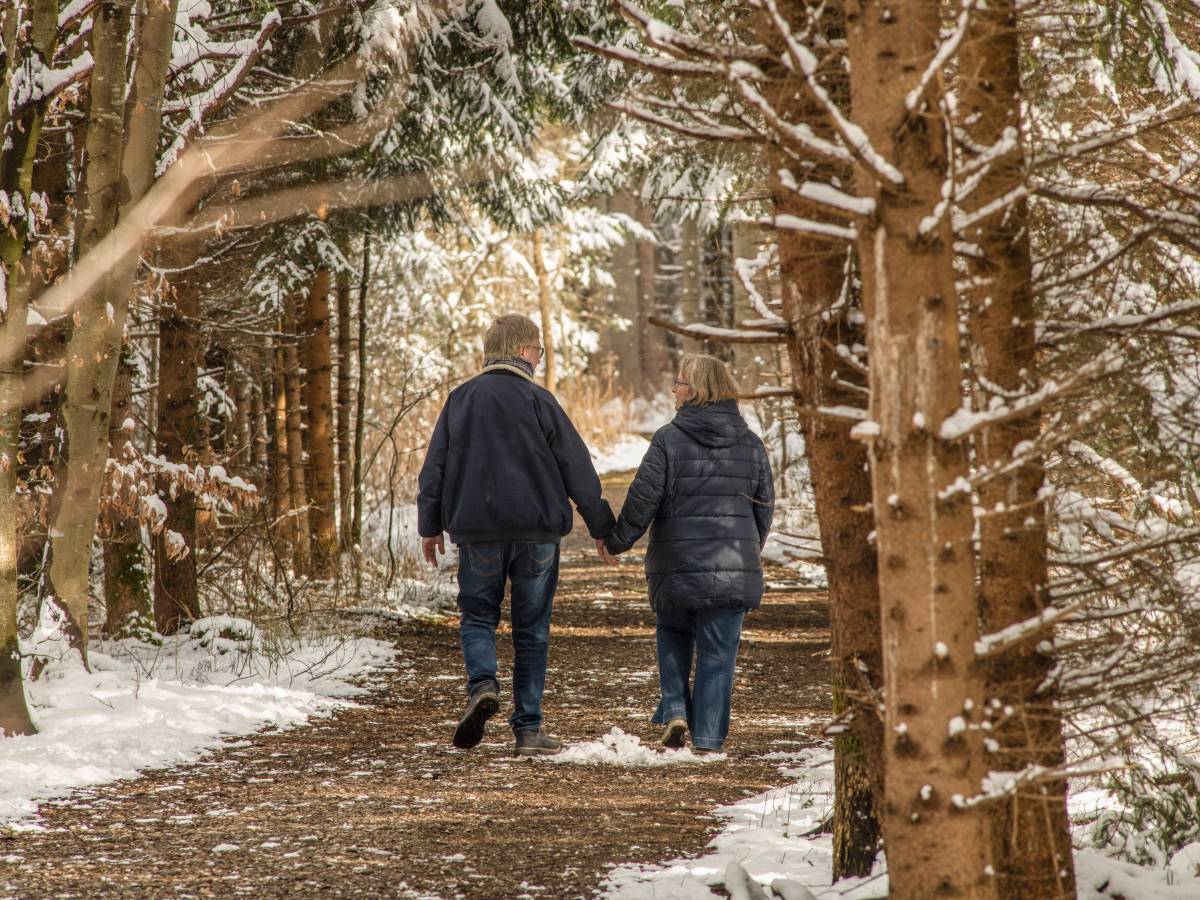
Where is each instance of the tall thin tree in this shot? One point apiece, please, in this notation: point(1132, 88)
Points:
point(937, 843)
point(1032, 831)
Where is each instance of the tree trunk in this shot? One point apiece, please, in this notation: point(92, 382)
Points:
point(652, 356)
point(119, 162)
point(298, 500)
point(318, 436)
point(360, 398)
point(126, 573)
point(1032, 831)
point(178, 433)
point(281, 490)
point(933, 692)
point(33, 46)
point(258, 424)
point(544, 307)
point(95, 342)
point(343, 412)
point(14, 713)
point(690, 264)
point(812, 276)
point(238, 432)
point(625, 346)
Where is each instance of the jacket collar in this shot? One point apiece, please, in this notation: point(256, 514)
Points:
point(508, 364)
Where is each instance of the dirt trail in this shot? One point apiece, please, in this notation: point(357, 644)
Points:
point(375, 802)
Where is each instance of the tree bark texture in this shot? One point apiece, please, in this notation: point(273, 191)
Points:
point(360, 394)
point(652, 348)
point(545, 310)
point(178, 434)
point(343, 412)
point(1032, 830)
point(626, 346)
point(126, 568)
point(14, 713)
point(99, 321)
point(298, 500)
point(690, 265)
point(933, 690)
point(812, 277)
point(281, 490)
point(318, 436)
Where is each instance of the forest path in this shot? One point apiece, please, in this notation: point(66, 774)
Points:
point(375, 802)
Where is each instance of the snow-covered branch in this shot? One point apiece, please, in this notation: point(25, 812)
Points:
point(704, 332)
point(811, 227)
point(965, 421)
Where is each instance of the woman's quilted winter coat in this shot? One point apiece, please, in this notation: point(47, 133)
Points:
point(704, 490)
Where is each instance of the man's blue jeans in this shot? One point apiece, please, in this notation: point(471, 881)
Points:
point(483, 570)
point(712, 637)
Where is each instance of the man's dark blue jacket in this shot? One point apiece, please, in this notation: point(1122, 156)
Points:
point(501, 464)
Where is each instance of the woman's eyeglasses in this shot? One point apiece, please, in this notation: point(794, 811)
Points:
point(677, 383)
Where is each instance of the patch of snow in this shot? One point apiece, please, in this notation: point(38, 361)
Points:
point(620, 749)
point(624, 456)
point(771, 836)
point(145, 706)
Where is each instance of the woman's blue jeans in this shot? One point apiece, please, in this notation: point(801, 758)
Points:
point(711, 636)
point(483, 570)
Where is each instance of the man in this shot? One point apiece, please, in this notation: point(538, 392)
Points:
point(500, 466)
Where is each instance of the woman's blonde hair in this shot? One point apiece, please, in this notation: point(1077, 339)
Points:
point(708, 378)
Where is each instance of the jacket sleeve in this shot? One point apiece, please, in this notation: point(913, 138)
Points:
point(642, 501)
point(429, 499)
point(578, 474)
point(764, 497)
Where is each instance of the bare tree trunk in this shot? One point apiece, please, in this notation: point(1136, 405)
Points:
point(281, 490)
point(298, 502)
point(1032, 830)
point(126, 569)
point(258, 425)
point(813, 275)
point(652, 349)
point(14, 713)
point(237, 435)
point(360, 398)
point(318, 436)
point(690, 260)
point(933, 691)
point(33, 46)
point(626, 346)
point(178, 434)
point(544, 307)
point(343, 412)
point(119, 161)
point(96, 339)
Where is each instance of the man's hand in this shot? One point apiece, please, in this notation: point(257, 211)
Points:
point(602, 552)
point(431, 547)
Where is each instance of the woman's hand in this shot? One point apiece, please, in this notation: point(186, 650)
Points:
point(602, 552)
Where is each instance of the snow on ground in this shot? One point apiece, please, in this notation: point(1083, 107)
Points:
point(624, 456)
point(799, 553)
point(769, 835)
point(145, 706)
point(772, 837)
point(620, 749)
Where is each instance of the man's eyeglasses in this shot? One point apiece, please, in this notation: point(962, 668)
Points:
point(541, 350)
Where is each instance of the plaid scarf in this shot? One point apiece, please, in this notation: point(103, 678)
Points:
point(522, 367)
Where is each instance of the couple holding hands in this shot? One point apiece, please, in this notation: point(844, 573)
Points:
point(504, 460)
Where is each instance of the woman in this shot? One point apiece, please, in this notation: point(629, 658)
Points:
point(704, 490)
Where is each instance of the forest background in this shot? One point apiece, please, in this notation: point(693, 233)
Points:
point(249, 247)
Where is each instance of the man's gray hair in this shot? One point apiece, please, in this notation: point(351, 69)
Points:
point(507, 335)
